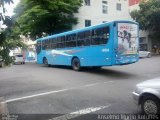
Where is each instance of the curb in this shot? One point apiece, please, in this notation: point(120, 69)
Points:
point(3, 107)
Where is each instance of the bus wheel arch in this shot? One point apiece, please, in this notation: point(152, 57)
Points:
point(76, 64)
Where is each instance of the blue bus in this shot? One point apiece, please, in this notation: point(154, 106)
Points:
point(107, 44)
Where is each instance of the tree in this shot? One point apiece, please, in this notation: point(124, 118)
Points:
point(148, 16)
point(9, 37)
point(9, 40)
point(39, 17)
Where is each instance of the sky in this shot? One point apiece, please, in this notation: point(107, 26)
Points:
point(9, 11)
point(11, 7)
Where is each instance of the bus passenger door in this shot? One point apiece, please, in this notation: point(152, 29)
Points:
point(39, 52)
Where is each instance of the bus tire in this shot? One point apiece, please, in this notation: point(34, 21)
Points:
point(45, 61)
point(76, 65)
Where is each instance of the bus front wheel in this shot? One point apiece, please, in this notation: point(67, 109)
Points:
point(76, 64)
point(45, 61)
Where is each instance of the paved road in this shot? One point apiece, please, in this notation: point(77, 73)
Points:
point(36, 89)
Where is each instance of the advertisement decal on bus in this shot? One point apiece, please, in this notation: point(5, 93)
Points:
point(127, 38)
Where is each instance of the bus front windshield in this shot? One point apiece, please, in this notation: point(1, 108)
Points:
point(127, 38)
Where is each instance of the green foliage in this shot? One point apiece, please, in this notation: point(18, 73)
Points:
point(5, 55)
point(9, 37)
point(9, 41)
point(148, 16)
point(39, 17)
point(2, 37)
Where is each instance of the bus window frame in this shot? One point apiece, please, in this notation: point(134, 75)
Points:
point(55, 41)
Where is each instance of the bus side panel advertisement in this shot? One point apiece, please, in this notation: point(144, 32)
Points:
point(127, 38)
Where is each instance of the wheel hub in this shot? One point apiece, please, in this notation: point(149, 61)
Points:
point(150, 107)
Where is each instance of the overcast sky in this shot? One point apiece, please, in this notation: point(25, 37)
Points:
point(11, 7)
point(9, 11)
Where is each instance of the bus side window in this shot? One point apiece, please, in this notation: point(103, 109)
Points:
point(87, 38)
point(47, 44)
point(94, 38)
point(38, 47)
point(67, 41)
point(71, 40)
point(105, 36)
point(80, 39)
point(61, 42)
point(100, 36)
point(43, 45)
point(58, 42)
point(53, 44)
point(74, 40)
point(83, 38)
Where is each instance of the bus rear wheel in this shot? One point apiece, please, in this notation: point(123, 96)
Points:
point(45, 61)
point(76, 64)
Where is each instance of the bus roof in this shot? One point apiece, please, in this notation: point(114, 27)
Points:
point(86, 28)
